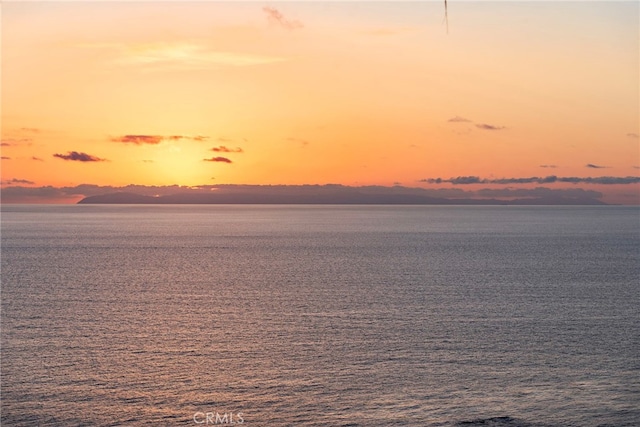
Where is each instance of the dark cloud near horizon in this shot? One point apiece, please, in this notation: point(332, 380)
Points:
point(78, 157)
point(606, 180)
point(218, 159)
point(37, 159)
point(465, 180)
point(18, 194)
point(275, 17)
point(18, 181)
point(592, 166)
point(224, 149)
point(489, 127)
point(5, 158)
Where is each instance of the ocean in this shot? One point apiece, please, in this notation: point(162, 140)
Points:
point(131, 315)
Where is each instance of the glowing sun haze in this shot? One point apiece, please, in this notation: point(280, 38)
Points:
point(355, 93)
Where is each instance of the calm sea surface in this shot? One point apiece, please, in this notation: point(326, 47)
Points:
point(320, 316)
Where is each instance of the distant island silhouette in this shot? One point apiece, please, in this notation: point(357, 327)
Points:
point(319, 194)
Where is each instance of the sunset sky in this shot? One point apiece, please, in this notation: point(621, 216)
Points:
point(354, 93)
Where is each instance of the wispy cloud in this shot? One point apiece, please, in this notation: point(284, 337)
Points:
point(14, 141)
point(458, 119)
point(592, 166)
point(155, 139)
point(78, 157)
point(37, 159)
point(483, 126)
point(178, 55)
point(384, 32)
point(189, 55)
point(5, 158)
point(223, 149)
point(30, 130)
point(138, 139)
point(548, 166)
point(275, 17)
point(185, 137)
point(605, 180)
point(298, 140)
point(633, 135)
point(218, 159)
point(489, 127)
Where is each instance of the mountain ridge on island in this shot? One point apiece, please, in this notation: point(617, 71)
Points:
point(320, 194)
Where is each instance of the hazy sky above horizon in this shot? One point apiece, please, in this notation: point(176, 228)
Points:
point(356, 93)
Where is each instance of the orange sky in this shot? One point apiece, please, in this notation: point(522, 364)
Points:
point(355, 93)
